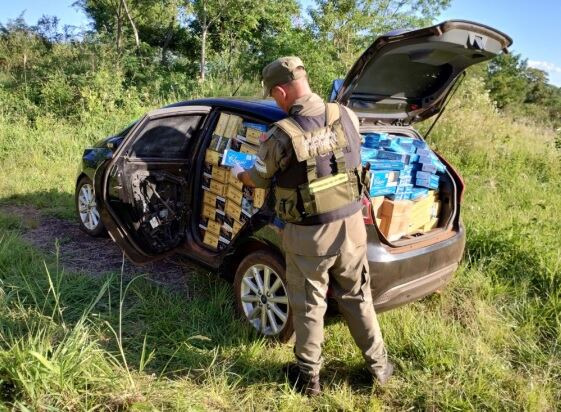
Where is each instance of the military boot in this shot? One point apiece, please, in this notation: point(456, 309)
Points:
point(385, 374)
point(302, 382)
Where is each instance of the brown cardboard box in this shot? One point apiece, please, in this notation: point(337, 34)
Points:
point(234, 194)
point(234, 123)
point(210, 239)
point(246, 148)
point(258, 197)
point(252, 135)
point(394, 218)
point(218, 188)
point(208, 211)
point(221, 125)
point(213, 226)
point(233, 181)
point(376, 205)
point(212, 157)
point(220, 174)
point(235, 211)
point(213, 200)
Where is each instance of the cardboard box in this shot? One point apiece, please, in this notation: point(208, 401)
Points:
point(234, 122)
point(234, 182)
point(220, 174)
point(236, 212)
point(234, 194)
point(258, 197)
point(218, 188)
point(221, 124)
point(214, 200)
point(212, 157)
point(208, 211)
point(246, 148)
point(211, 239)
point(394, 207)
point(376, 204)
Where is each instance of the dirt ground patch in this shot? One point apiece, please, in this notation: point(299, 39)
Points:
point(80, 253)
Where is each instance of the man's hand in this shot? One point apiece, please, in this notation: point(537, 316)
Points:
point(236, 170)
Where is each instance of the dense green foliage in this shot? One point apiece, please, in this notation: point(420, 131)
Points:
point(490, 341)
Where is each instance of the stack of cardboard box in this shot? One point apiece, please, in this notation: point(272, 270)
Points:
point(404, 179)
point(227, 204)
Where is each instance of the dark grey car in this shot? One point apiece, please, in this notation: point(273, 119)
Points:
point(400, 79)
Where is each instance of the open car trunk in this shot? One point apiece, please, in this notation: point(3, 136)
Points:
point(400, 218)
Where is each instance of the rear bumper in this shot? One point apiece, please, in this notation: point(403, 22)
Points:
point(401, 278)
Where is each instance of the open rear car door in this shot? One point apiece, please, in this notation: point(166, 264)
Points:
point(143, 193)
point(405, 76)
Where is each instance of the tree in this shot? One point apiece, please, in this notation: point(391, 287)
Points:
point(506, 79)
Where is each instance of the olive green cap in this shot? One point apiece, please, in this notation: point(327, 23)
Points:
point(281, 71)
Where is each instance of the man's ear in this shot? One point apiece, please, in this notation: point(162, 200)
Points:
point(280, 92)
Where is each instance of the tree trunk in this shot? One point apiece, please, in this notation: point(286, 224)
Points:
point(203, 50)
point(135, 31)
point(119, 27)
point(167, 40)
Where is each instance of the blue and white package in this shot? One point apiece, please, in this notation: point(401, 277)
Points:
point(382, 191)
point(423, 175)
point(418, 192)
point(380, 164)
point(386, 155)
point(384, 178)
point(419, 144)
point(429, 167)
point(232, 158)
point(424, 152)
point(431, 183)
point(404, 189)
point(372, 140)
point(367, 153)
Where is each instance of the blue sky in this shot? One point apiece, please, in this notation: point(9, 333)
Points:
point(534, 25)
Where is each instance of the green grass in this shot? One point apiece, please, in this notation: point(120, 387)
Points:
point(490, 341)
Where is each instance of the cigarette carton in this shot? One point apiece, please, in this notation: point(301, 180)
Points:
point(258, 197)
point(234, 194)
point(383, 178)
point(379, 164)
point(233, 181)
point(387, 155)
point(211, 239)
point(220, 174)
point(221, 124)
point(234, 123)
point(213, 226)
point(372, 140)
point(247, 148)
point(213, 200)
point(218, 188)
point(212, 157)
point(235, 212)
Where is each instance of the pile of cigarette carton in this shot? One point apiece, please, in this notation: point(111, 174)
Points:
point(404, 181)
point(227, 203)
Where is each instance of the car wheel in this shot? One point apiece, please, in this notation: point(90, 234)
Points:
point(261, 295)
point(86, 208)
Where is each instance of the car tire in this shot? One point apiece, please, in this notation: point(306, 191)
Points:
point(86, 209)
point(260, 285)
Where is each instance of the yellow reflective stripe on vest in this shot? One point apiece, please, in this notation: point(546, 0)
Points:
point(328, 182)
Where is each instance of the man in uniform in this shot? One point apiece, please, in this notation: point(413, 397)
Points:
point(314, 158)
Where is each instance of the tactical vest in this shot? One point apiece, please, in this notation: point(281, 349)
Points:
point(323, 182)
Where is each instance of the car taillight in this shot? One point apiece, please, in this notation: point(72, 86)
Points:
point(367, 211)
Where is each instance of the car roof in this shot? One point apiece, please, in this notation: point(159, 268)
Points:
point(265, 108)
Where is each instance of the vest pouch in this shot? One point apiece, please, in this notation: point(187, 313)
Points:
point(329, 193)
point(286, 204)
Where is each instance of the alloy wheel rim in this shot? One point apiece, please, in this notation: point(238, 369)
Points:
point(264, 299)
point(87, 207)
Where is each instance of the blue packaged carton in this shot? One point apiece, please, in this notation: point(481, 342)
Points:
point(380, 164)
point(424, 152)
point(367, 153)
point(405, 189)
point(405, 140)
point(386, 155)
point(423, 175)
point(431, 183)
point(383, 178)
point(372, 140)
point(257, 126)
point(232, 158)
point(429, 168)
point(419, 144)
point(418, 193)
point(382, 191)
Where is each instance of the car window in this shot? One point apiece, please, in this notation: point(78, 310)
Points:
point(166, 137)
